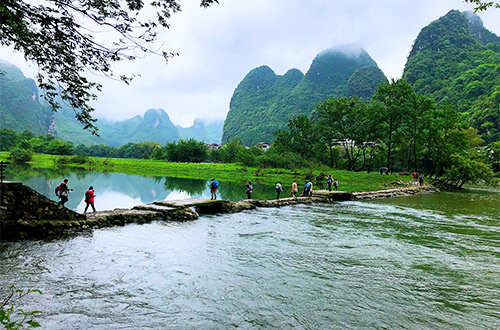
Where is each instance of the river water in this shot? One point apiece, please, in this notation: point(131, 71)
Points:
point(420, 262)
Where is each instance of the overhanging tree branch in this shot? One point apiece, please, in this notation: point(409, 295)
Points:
point(56, 35)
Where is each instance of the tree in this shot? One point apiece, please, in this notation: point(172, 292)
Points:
point(348, 122)
point(301, 137)
point(415, 125)
point(186, 151)
point(394, 99)
point(8, 139)
point(158, 153)
point(228, 153)
point(60, 36)
point(483, 5)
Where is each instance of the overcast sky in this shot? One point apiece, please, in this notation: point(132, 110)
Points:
point(219, 45)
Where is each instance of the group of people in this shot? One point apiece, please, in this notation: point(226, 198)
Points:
point(62, 192)
point(308, 188)
point(420, 178)
point(330, 181)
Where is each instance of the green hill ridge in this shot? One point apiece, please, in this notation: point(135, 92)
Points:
point(263, 101)
point(456, 60)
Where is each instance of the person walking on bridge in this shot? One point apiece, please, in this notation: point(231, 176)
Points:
point(89, 199)
point(213, 189)
point(279, 189)
point(62, 191)
point(294, 188)
point(249, 189)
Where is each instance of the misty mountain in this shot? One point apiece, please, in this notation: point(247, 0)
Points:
point(263, 101)
point(21, 108)
point(208, 132)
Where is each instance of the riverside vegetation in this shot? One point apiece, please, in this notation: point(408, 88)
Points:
point(232, 172)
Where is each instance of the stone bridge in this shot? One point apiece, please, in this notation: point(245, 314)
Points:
point(25, 213)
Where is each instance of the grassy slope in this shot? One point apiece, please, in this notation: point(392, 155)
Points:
point(348, 181)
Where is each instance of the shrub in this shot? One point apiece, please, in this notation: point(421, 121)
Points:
point(20, 155)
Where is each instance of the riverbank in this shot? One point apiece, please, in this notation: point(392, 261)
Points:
point(233, 172)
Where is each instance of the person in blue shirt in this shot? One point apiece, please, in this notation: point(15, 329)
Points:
point(213, 189)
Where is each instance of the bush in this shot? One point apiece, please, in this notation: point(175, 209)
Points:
point(289, 160)
point(187, 151)
point(20, 155)
point(79, 159)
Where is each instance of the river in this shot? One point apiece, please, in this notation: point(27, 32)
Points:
point(420, 262)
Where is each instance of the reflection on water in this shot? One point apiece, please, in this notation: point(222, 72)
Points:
point(116, 190)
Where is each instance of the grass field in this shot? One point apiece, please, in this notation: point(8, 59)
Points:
point(235, 172)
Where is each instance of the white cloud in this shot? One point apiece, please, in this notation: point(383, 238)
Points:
point(218, 46)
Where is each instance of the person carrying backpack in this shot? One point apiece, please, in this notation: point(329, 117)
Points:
point(336, 184)
point(213, 189)
point(279, 189)
point(307, 188)
point(329, 183)
point(62, 191)
point(89, 199)
point(249, 189)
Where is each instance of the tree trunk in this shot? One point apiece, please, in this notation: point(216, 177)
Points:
point(331, 156)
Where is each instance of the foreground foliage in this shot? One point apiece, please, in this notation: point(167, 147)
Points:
point(13, 318)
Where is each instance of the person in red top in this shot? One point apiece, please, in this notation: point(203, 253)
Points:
point(89, 199)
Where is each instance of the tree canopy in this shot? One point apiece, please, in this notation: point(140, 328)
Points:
point(63, 38)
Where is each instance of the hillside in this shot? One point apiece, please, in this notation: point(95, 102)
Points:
point(20, 108)
point(263, 101)
point(456, 60)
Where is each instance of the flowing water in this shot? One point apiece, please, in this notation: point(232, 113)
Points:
point(420, 262)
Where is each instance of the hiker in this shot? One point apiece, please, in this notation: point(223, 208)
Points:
point(249, 189)
point(62, 191)
point(294, 188)
point(421, 179)
point(335, 184)
point(279, 189)
point(329, 182)
point(415, 175)
point(89, 199)
point(310, 188)
point(213, 189)
point(307, 189)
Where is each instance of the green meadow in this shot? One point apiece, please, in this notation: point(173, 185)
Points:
point(233, 172)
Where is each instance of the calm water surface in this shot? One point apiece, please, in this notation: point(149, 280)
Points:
point(116, 190)
point(422, 262)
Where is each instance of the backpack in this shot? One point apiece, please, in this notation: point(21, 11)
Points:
point(58, 191)
point(88, 196)
point(278, 187)
point(215, 184)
